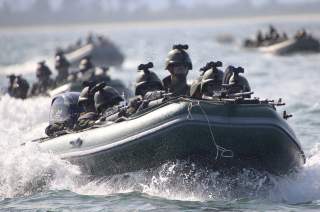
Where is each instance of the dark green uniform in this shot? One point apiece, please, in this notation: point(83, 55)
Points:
point(176, 86)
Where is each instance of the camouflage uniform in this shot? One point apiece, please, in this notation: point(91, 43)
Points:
point(44, 83)
point(90, 116)
point(62, 66)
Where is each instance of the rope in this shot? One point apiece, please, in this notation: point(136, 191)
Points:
point(224, 153)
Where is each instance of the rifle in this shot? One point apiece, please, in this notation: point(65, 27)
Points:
point(151, 98)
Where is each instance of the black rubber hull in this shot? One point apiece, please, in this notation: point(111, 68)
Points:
point(160, 147)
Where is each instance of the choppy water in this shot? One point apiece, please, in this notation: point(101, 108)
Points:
point(30, 179)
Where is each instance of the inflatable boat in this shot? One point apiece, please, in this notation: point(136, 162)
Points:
point(102, 54)
point(216, 134)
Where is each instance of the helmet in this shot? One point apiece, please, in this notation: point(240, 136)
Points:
point(85, 64)
point(211, 74)
point(231, 70)
point(238, 83)
point(106, 97)
point(178, 55)
point(147, 80)
point(61, 61)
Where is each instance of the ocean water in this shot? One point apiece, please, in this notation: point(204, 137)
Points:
point(34, 180)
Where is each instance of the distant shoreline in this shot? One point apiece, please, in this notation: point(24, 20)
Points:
point(164, 23)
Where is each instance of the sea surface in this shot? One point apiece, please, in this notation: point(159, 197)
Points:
point(31, 180)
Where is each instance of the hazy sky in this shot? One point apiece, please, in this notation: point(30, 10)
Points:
point(160, 4)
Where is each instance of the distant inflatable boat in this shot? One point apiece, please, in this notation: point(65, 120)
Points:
point(292, 46)
point(218, 135)
point(102, 54)
point(77, 86)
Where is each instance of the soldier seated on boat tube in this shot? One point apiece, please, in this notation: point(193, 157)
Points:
point(209, 81)
point(235, 83)
point(146, 84)
point(86, 65)
point(106, 101)
point(86, 71)
point(10, 88)
point(18, 86)
point(178, 63)
point(86, 101)
point(64, 112)
point(44, 83)
point(62, 66)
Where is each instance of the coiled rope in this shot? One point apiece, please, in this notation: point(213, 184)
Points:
point(224, 153)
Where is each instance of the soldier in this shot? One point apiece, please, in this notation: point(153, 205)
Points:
point(89, 38)
point(212, 78)
point(147, 82)
point(103, 76)
point(178, 63)
point(86, 70)
point(86, 101)
point(105, 73)
point(209, 81)
point(259, 37)
point(62, 66)
point(301, 34)
point(10, 89)
point(285, 36)
point(43, 74)
point(235, 83)
point(78, 43)
point(105, 98)
point(272, 30)
point(85, 65)
point(21, 87)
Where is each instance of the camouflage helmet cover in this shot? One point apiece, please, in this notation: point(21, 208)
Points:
point(106, 97)
point(178, 55)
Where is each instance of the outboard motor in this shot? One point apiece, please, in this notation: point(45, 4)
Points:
point(65, 109)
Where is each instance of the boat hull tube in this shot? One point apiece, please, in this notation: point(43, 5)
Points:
point(218, 136)
point(292, 46)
